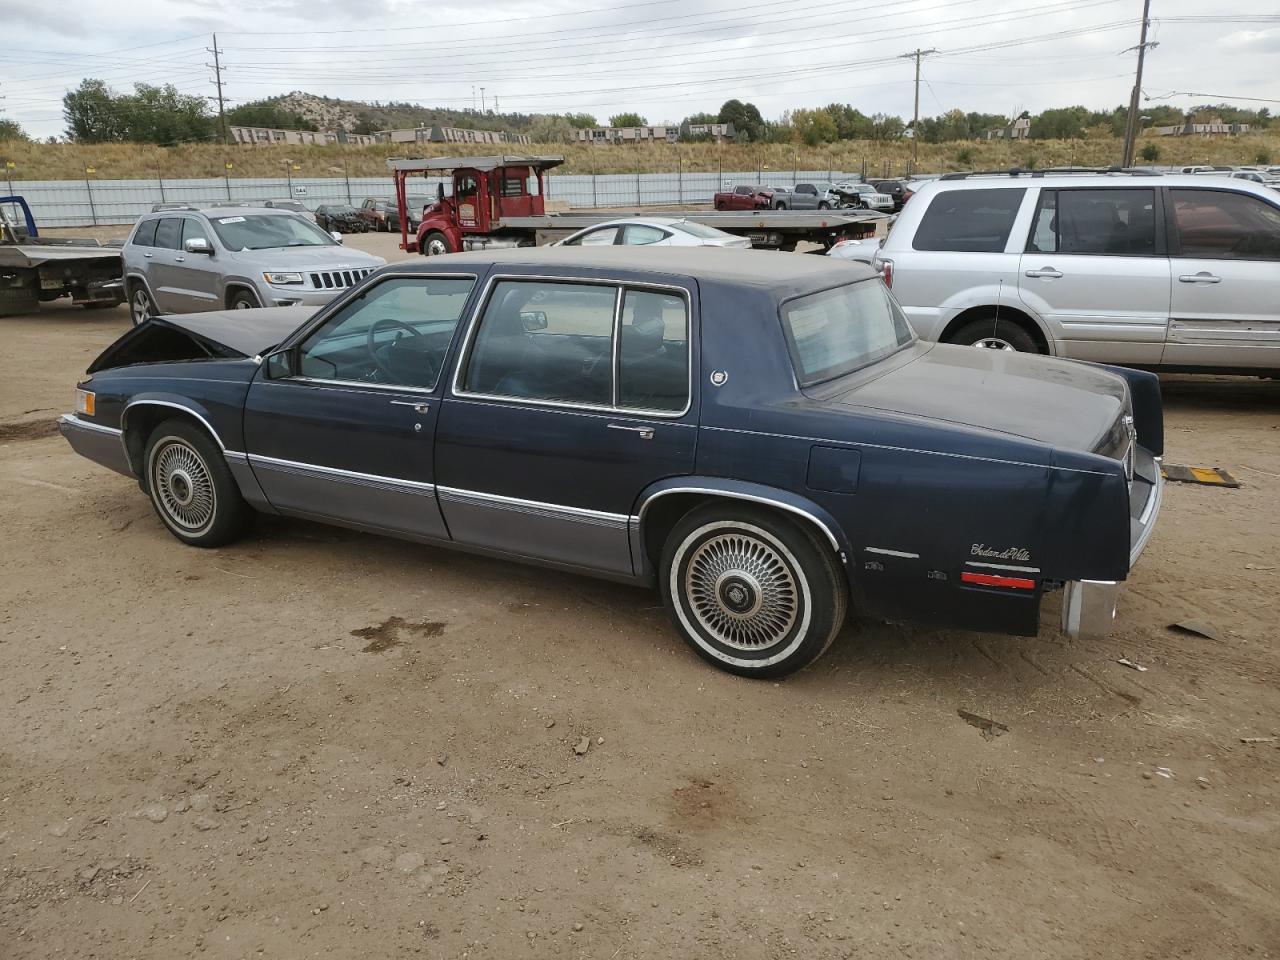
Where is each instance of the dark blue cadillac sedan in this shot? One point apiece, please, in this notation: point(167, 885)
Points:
point(762, 436)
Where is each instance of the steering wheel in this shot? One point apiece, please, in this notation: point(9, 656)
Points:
point(380, 361)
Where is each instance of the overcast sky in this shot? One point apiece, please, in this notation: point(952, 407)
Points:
point(662, 58)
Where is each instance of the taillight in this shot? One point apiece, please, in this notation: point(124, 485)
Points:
point(907, 195)
point(885, 268)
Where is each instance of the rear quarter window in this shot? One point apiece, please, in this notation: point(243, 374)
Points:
point(969, 221)
point(145, 235)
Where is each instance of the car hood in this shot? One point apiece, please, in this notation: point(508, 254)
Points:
point(313, 258)
point(1062, 403)
point(246, 332)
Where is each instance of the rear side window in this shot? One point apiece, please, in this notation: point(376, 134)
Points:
point(639, 234)
point(145, 236)
point(1113, 223)
point(1221, 225)
point(169, 232)
point(969, 221)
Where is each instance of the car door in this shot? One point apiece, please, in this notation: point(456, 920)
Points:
point(1226, 290)
point(804, 197)
point(339, 426)
point(161, 267)
point(1096, 270)
point(194, 283)
point(570, 398)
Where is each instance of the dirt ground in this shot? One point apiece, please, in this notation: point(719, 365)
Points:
point(322, 744)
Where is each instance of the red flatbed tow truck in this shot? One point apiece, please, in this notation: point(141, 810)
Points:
point(491, 206)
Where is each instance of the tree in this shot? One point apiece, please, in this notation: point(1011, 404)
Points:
point(627, 120)
point(551, 129)
point(579, 121)
point(885, 127)
point(11, 130)
point(1062, 123)
point(813, 127)
point(851, 124)
point(747, 123)
point(91, 113)
point(1150, 153)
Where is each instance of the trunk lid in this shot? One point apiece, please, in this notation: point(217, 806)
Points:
point(1064, 404)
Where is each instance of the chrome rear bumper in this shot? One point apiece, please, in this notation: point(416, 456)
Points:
point(1089, 606)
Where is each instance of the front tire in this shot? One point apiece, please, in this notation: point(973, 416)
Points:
point(435, 244)
point(824, 205)
point(191, 486)
point(243, 300)
point(781, 206)
point(141, 308)
point(994, 334)
point(751, 592)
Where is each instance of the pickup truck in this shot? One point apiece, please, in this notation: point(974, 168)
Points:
point(36, 269)
point(745, 197)
point(814, 196)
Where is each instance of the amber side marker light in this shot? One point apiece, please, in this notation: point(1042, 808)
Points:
point(991, 580)
point(84, 402)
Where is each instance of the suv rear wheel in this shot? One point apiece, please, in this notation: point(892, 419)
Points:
point(140, 306)
point(994, 334)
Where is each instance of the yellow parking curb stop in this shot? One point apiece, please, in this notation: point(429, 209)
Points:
point(1210, 476)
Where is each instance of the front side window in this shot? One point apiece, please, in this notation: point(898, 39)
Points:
point(969, 221)
point(513, 186)
point(837, 331)
point(1221, 225)
point(541, 340)
point(742, 191)
point(397, 333)
point(262, 232)
point(1109, 223)
point(596, 238)
point(192, 230)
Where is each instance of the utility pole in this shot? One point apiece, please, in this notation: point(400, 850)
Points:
point(482, 99)
point(916, 55)
point(1131, 121)
point(217, 79)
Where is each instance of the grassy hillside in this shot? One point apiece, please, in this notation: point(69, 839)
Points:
point(37, 161)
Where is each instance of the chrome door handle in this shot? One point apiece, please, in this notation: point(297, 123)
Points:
point(148, 255)
point(1044, 272)
point(1202, 277)
point(418, 405)
point(646, 433)
point(180, 259)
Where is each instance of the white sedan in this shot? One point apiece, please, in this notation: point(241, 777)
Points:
point(655, 232)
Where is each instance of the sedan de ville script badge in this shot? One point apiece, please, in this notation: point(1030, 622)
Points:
point(1021, 554)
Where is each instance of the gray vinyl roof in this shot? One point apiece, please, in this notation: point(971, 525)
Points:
point(759, 268)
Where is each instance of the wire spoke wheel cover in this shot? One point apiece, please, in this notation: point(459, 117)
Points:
point(182, 486)
point(741, 593)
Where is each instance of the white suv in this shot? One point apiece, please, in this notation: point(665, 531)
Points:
point(1176, 272)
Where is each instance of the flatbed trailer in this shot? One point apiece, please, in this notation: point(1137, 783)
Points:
point(492, 206)
point(36, 269)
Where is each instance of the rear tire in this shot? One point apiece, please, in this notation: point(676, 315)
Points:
point(824, 205)
point(141, 308)
point(191, 486)
point(781, 206)
point(719, 204)
point(750, 591)
point(993, 334)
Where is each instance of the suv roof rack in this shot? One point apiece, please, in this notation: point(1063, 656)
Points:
point(1047, 171)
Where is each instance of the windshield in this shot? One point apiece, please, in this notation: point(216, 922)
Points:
point(263, 232)
point(417, 203)
point(837, 331)
point(699, 230)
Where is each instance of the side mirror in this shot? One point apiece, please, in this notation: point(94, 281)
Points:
point(533, 320)
point(279, 364)
point(336, 235)
point(198, 245)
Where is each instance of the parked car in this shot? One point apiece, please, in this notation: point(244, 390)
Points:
point(1204, 168)
point(897, 190)
point(171, 205)
point(815, 196)
point(762, 438)
point(413, 206)
point(226, 203)
point(297, 206)
point(1171, 272)
point(859, 251)
point(653, 232)
point(374, 212)
point(865, 195)
point(781, 197)
point(192, 260)
point(745, 197)
point(341, 217)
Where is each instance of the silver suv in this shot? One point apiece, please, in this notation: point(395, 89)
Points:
point(1176, 272)
point(186, 261)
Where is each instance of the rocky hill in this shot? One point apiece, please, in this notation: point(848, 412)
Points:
point(329, 113)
